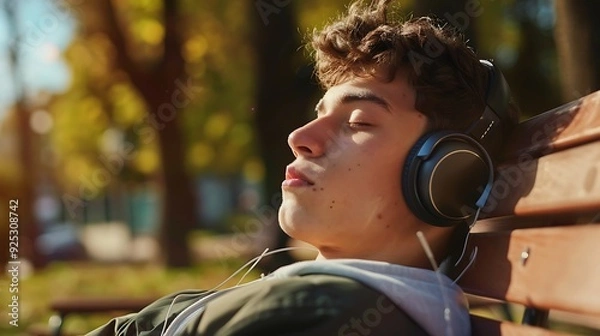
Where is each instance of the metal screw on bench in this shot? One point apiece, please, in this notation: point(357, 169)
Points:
point(525, 256)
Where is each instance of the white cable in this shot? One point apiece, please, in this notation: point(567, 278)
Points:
point(471, 261)
point(252, 267)
point(430, 256)
point(189, 311)
point(464, 249)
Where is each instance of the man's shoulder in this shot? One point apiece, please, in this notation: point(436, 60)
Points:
point(314, 304)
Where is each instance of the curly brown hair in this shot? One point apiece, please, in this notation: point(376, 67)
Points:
point(449, 80)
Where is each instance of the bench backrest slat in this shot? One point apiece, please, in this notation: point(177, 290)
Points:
point(566, 126)
point(541, 267)
point(487, 327)
point(538, 238)
point(562, 182)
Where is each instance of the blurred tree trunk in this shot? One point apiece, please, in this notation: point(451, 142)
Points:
point(577, 35)
point(26, 195)
point(28, 224)
point(283, 94)
point(529, 79)
point(164, 87)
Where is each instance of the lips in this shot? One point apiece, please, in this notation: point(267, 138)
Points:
point(295, 178)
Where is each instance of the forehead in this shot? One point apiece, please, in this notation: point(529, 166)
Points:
point(397, 94)
point(349, 95)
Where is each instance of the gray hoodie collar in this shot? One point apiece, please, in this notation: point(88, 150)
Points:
point(430, 298)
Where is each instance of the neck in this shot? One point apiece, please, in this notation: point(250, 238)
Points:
point(406, 251)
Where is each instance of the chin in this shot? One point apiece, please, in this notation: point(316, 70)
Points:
point(296, 228)
point(293, 230)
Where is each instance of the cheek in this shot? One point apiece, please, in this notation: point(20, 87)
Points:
point(373, 180)
point(381, 174)
point(386, 166)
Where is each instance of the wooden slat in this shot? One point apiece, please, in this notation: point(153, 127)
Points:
point(507, 223)
point(482, 326)
point(564, 182)
point(591, 322)
point(562, 271)
point(551, 177)
point(570, 125)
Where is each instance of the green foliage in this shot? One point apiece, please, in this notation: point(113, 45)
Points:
point(219, 55)
point(218, 122)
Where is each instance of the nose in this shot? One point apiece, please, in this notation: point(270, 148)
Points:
point(308, 140)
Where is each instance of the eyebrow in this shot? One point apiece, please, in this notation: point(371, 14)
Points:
point(351, 97)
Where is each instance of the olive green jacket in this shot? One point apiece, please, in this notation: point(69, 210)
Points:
point(298, 305)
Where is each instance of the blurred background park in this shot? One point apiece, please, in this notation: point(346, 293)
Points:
point(145, 140)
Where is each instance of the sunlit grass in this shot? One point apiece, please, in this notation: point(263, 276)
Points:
point(65, 280)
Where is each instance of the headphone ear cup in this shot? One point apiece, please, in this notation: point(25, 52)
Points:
point(442, 187)
point(410, 181)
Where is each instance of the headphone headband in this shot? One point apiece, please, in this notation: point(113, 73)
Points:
point(497, 90)
point(488, 129)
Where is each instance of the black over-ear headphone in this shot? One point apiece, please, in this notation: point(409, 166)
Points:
point(448, 175)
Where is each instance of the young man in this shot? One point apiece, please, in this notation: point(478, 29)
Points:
point(349, 192)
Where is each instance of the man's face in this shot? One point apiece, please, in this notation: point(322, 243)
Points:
point(342, 193)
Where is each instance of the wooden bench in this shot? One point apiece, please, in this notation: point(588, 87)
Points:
point(538, 245)
point(71, 306)
point(539, 241)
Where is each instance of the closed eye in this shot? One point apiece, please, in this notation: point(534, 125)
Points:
point(359, 124)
